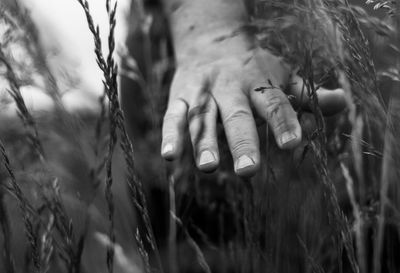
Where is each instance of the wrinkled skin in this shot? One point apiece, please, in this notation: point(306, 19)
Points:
point(220, 72)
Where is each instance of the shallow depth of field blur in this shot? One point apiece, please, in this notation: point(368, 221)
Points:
point(84, 188)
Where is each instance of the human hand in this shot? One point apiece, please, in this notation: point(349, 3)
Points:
point(223, 76)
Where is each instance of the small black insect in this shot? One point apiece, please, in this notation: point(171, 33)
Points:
point(261, 89)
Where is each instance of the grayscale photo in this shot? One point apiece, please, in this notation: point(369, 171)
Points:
point(199, 136)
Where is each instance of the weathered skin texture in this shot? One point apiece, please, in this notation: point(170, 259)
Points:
point(219, 67)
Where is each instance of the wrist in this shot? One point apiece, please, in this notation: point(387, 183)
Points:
point(214, 45)
point(197, 25)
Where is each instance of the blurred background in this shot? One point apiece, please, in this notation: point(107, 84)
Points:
point(330, 205)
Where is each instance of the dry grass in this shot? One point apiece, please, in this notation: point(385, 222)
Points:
point(337, 210)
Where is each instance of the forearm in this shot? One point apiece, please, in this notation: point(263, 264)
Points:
point(197, 23)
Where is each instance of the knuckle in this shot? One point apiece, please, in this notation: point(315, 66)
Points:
point(274, 104)
point(169, 135)
point(171, 125)
point(197, 136)
point(171, 116)
point(201, 132)
point(242, 146)
point(205, 143)
point(176, 110)
point(236, 116)
point(280, 125)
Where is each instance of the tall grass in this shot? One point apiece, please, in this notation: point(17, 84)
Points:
point(336, 210)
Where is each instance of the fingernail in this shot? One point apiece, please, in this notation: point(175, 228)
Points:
point(287, 137)
point(206, 157)
point(243, 162)
point(167, 149)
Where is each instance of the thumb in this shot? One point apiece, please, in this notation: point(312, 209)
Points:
point(330, 101)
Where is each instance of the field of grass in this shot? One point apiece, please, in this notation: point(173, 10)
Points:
point(89, 192)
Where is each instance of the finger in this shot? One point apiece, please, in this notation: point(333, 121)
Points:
point(273, 105)
point(330, 101)
point(203, 133)
point(173, 129)
point(240, 129)
point(189, 84)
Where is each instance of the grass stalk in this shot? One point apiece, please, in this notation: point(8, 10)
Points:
point(358, 221)
point(172, 230)
point(25, 116)
point(7, 234)
point(47, 248)
point(24, 207)
point(320, 163)
point(117, 122)
point(383, 195)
